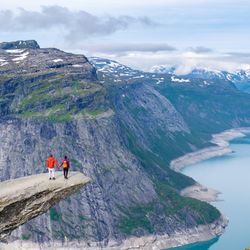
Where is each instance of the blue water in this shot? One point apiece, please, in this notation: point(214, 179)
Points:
point(231, 175)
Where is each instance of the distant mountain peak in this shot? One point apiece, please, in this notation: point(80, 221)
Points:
point(163, 69)
point(20, 44)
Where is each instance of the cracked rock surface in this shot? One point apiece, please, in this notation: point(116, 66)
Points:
point(25, 198)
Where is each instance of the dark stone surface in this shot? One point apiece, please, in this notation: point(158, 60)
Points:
point(29, 44)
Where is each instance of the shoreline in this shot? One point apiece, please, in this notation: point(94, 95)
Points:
point(152, 242)
point(201, 193)
point(222, 147)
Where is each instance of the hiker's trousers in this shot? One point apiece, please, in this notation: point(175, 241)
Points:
point(51, 172)
point(65, 172)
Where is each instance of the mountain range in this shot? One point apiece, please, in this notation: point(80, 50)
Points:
point(241, 78)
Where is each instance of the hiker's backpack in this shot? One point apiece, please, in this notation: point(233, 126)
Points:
point(65, 164)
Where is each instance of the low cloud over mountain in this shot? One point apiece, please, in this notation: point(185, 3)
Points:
point(74, 24)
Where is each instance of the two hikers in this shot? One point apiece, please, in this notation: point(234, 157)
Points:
point(52, 162)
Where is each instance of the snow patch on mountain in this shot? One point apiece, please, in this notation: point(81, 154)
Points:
point(15, 51)
point(21, 57)
point(180, 80)
point(58, 60)
point(4, 63)
point(77, 66)
point(141, 76)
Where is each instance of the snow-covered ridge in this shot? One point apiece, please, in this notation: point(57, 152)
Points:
point(180, 80)
point(160, 74)
point(15, 51)
point(205, 73)
point(108, 67)
point(121, 73)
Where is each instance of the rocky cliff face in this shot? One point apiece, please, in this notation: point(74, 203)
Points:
point(25, 198)
point(29, 44)
point(121, 131)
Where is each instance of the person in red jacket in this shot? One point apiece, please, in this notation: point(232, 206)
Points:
point(66, 165)
point(51, 162)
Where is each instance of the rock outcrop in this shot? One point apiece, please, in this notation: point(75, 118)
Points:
point(25, 198)
point(29, 44)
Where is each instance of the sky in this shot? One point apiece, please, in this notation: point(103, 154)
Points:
point(211, 34)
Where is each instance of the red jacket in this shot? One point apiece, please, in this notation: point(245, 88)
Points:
point(51, 162)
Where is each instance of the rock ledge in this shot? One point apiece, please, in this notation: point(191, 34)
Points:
point(25, 198)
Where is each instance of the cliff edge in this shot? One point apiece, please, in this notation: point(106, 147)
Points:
point(25, 198)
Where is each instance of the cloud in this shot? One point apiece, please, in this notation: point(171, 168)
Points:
point(239, 54)
point(200, 49)
point(75, 25)
point(123, 48)
point(184, 62)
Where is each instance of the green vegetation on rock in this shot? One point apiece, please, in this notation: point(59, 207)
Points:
point(56, 97)
point(136, 218)
point(25, 236)
point(205, 212)
point(54, 215)
point(171, 204)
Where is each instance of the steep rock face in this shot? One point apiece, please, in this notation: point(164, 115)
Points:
point(28, 44)
point(25, 198)
point(120, 134)
point(95, 149)
point(48, 83)
point(206, 104)
point(119, 188)
point(209, 109)
point(154, 130)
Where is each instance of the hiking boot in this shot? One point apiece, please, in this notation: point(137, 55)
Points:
point(54, 178)
point(49, 178)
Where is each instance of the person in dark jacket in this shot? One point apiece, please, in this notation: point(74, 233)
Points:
point(65, 164)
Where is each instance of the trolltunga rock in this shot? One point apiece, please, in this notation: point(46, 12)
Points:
point(25, 198)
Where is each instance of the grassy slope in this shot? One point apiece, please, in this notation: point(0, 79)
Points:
point(55, 97)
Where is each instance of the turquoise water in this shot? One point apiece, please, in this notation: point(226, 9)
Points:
point(231, 175)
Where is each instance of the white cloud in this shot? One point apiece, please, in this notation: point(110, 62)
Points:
point(77, 25)
point(184, 62)
point(124, 48)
